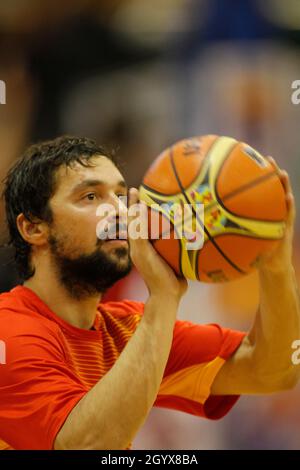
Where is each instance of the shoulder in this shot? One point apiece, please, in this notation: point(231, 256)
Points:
point(123, 308)
point(19, 320)
point(27, 338)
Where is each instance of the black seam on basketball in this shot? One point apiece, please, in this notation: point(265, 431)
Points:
point(162, 234)
point(180, 253)
point(240, 190)
point(175, 231)
point(249, 185)
point(195, 213)
point(154, 191)
point(238, 235)
point(223, 234)
point(190, 184)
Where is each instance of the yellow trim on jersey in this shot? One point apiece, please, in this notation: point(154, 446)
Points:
point(194, 382)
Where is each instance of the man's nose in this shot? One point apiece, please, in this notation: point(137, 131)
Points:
point(120, 204)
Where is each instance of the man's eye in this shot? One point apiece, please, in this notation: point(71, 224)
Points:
point(90, 196)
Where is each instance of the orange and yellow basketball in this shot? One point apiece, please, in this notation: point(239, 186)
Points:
point(243, 202)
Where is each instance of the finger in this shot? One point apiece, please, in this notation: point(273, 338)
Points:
point(137, 219)
point(133, 197)
point(283, 175)
point(284, 179)
point(273, 163)
point(131, 214)
point(291, 209)
point(289, 197)
point(290, 200)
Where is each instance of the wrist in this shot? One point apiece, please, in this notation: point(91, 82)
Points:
point(280, 273)
point(166, 294)
point(164, 301)
point(164, 297)
point(276, 267)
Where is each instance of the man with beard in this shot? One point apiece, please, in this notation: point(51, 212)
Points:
point(81, 374)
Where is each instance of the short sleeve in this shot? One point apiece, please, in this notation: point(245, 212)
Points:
point(198, 352)
point(37, 387)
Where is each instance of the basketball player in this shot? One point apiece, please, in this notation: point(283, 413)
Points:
point(80, 374)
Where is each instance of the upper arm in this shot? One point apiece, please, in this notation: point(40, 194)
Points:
point(37, 387)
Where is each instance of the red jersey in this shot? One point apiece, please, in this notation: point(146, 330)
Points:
point(50, 365)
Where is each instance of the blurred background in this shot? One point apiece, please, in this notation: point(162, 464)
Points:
point(137, 75)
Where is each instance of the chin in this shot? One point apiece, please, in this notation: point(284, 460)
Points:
point(121, 253)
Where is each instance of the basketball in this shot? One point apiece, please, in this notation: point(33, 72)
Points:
point(242, 200)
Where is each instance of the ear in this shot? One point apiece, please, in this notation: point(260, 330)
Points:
point(34, 233)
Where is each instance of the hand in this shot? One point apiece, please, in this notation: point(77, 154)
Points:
point(157, 274)
point(280, 258)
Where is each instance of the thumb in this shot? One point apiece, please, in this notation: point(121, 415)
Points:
point(137, 218)
point(133, 197)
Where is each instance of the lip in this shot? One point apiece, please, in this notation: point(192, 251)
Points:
point(117, 242)
point(122, 235)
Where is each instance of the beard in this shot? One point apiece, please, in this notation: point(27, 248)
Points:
point(86, 275)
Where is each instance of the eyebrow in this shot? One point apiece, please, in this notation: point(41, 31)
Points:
point(92, 182)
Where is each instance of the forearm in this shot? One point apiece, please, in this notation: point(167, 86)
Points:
point(111, 413)
point(263, 361)
point(277, 325)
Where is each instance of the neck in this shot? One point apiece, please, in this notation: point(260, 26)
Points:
point(76, 312)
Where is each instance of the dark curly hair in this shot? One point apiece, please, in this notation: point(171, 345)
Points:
point(31, 182)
